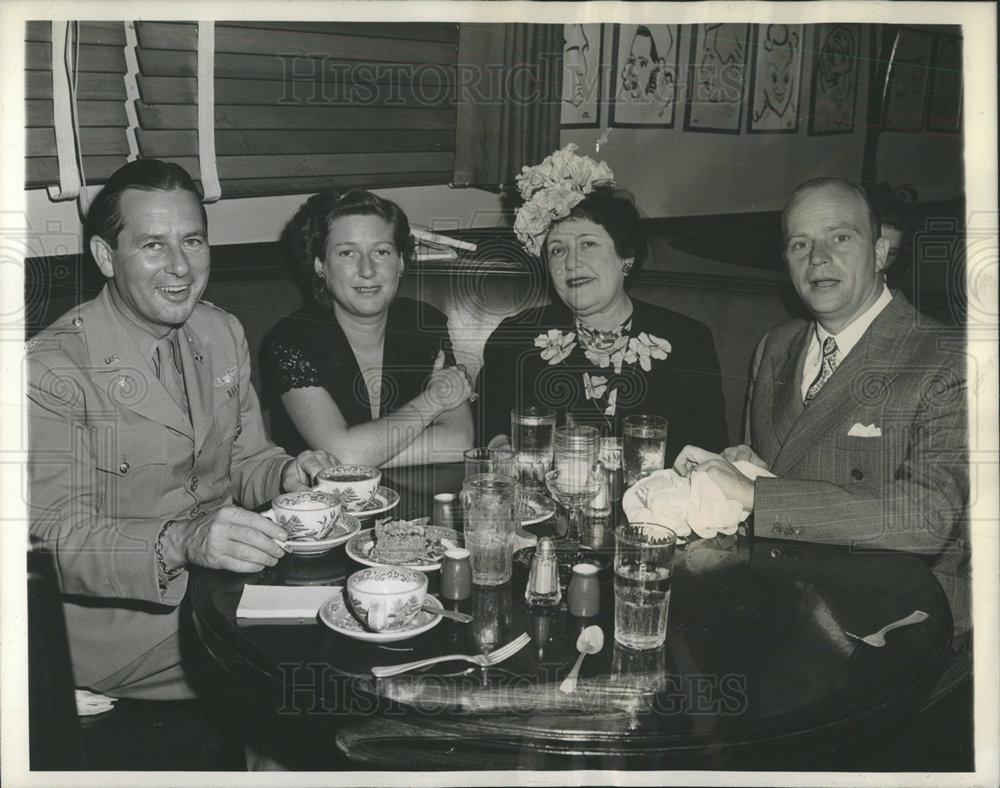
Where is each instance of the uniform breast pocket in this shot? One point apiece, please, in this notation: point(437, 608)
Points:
point(133, 465)
point(226, 428)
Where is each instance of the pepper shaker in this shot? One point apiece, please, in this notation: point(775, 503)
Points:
point(456, 574)
point(584, 592)
point(543, 577)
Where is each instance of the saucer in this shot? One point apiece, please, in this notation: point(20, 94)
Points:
point(346, 526)
point(535, 508)
point(385, 500)
point(336, 614)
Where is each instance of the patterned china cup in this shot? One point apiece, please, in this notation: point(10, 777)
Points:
point(309, 514)
point(356, 484)
point(386, 598)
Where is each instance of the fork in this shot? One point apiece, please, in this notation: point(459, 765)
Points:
point(485, 660)
point(877, 639)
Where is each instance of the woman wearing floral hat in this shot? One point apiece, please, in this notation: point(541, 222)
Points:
point(596, 355)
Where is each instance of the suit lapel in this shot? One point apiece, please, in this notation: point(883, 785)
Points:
point(130, 381)
point(839, 396)
point(786, 373)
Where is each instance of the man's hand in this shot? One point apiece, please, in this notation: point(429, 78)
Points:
point(733, 484)
point(300, 472)
point(230, 538)
point(744, 453)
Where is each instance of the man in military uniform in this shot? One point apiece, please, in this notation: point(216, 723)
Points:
point(146, 440)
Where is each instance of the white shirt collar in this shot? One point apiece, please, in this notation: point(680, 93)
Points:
point(849, 336)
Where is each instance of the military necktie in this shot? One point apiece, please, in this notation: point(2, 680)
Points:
point(826, 368)
point(168, 369)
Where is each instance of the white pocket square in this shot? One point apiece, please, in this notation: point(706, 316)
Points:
point(860, 430)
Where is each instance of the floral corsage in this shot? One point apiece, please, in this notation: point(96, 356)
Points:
point(623, 351)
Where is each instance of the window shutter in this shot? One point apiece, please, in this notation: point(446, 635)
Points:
point(100, 102)
point(305, 106)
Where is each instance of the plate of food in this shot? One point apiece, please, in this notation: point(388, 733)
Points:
point(344, 528)
point(409, 543)
point(336, 613)
point(535, 507)
point(385, 500)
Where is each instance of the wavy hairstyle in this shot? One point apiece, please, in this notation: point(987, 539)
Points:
point(306, 235)
point(614, 209)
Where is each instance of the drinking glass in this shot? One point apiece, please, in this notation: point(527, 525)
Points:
point(574, 488)
point(483, 459)
point(532, 435)
point(489, 501)
point(644, 565)
point(644, 445)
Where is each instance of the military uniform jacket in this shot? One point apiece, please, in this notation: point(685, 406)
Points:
point(113, 457)
point(879, 458)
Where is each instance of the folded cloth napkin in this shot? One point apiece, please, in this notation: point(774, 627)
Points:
point(89, 703)
point(686, 504)
point(282, 601)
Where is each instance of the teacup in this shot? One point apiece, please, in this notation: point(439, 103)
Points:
point(309, 514)
point(356, 484)
point(386, 597)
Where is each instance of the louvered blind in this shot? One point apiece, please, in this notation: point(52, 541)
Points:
point(100, 105)
point(303, 106)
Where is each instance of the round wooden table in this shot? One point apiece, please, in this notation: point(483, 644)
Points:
point(757, 671)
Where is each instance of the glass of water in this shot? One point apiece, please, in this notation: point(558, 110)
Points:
point(644, 446)
point(644, 567)
point(482, 459)
point(489, 501)
point(532, 435)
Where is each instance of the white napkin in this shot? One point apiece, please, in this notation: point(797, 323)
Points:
point(860, 430)
point(694, 503)
point(282, 601)
point(89, 703)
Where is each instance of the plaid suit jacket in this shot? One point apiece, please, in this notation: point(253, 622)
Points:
point(905, 489)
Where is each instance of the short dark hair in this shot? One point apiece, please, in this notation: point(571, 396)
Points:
point(874, 221)
point(105, 220)
point(307, 233)
point(614, 209)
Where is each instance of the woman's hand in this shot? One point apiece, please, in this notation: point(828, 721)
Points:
point(743, 453)
point(448, 387)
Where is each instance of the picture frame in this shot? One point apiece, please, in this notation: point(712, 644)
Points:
point(906, 94)
point(944, 99)
point(775, 79)
point(717, 78)
point(834, 90)
point(583, 58)
point(645, 69)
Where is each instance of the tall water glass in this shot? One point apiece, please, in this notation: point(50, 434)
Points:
point(483, 459)
point(489, 500)
point(644, 566)
point(532, 435)
point(644, 446)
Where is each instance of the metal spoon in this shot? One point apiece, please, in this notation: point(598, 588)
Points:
point(465, 618)
point(591, 641)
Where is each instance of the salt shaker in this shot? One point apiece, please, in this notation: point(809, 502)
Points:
point(543, 577)
point(584, 593)
point(456, 574)
point(446, 510)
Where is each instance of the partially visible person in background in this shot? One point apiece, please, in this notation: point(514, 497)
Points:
point(360, 369)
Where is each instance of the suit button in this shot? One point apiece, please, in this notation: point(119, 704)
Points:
point(857, 474)
point(797, 531)
point(194, 483)
point(239, 430)
point(124, 467)
point(195, 511)
point(777, 530)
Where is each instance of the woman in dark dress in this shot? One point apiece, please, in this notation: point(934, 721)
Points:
point(361, 373)
point(597, 355)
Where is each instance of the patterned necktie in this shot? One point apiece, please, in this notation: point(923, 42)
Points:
point(826, 368)
point(168, 370)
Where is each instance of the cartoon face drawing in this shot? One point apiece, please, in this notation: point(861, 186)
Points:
point(642, 68)
point(835, 73)
point(779, 80)
point(576, 50)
